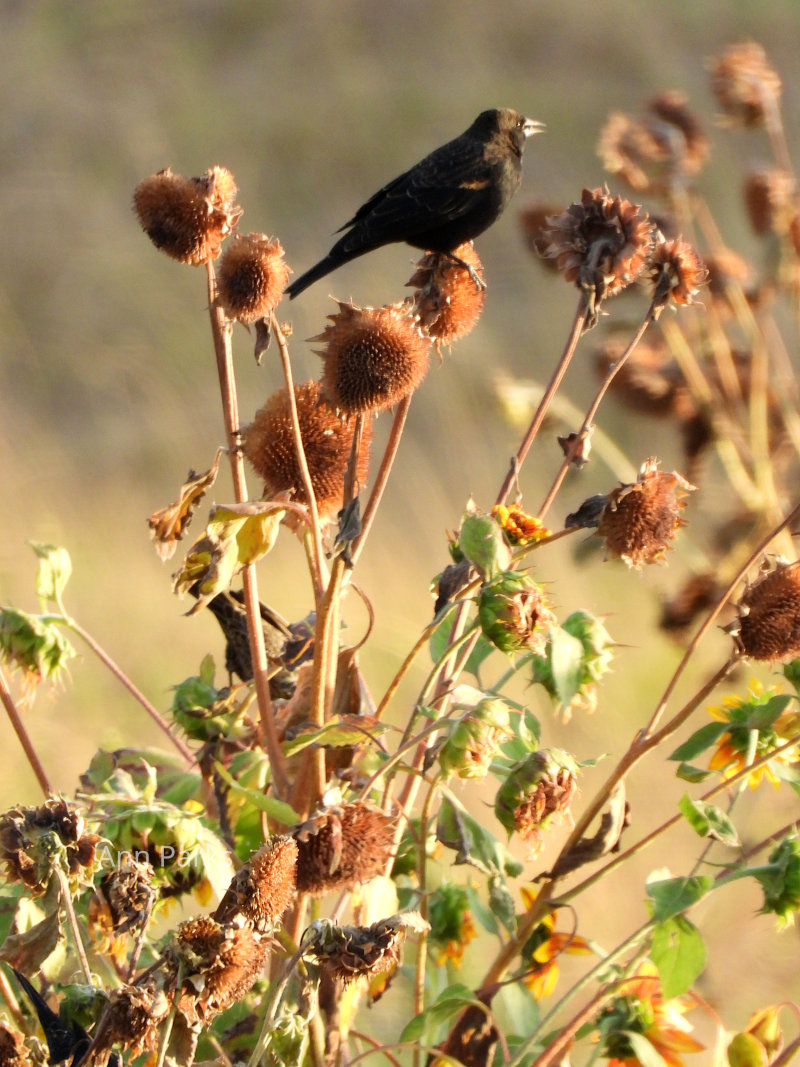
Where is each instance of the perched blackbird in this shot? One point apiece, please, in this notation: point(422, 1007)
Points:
point(227, 609)
point(449, 197)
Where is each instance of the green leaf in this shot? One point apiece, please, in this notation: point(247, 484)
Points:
point(277, 809)
point(53, 572)
point(449, 1003)
point(700, 740)
point(643, 1050)
point(689, 773)
point(679, 952)
point(502, 904)
point(764, 715)
point(566, 662)
point(482, 542)
point(456, 829)
point(671, 896)
point(708, 820)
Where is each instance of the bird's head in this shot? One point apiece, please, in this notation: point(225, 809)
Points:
point(506, 121)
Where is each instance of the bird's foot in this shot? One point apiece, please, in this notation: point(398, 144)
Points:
point(456, 261)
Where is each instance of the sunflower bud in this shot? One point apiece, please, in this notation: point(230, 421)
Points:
point(780, 880)
point(475, 739)
point(537, 789)
point(188, 218)
point(447, 301)
point(34, 645)
point(251, 277)
point(514, 614)
point(578, 654)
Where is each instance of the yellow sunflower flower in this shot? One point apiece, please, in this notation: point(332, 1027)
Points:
point(735, 749)
point(543, 949)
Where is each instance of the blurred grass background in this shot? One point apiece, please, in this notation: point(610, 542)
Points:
point(108, 390)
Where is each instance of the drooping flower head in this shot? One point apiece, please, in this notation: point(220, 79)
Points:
point(447, 301)
point(677, 272)
point(342, 846)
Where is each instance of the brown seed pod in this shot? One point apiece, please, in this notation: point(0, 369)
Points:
point(447, 301)
point(251, 277)
point(264, 888)
point(268, 443)
point(31, 839)
point(677, 272)
point(135, 1014)
point(187, 218)
point(372, 357)
point(341, 847)
point(221, 962)
point(641, 519)
point(744, 83)
point(768, 626)
point(769, 196)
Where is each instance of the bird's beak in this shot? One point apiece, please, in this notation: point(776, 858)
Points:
point(532, 126)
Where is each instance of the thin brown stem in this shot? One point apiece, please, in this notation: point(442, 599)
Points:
point(578, 325)
point(221, 335)
point(15, 719)
point(614, 370)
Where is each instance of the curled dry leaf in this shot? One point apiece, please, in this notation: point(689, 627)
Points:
point(168, 525)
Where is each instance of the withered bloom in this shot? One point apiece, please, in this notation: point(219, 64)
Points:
point(533, 220)
point(640, 520)
point(373, 357)
point(13, 1052)
point(770, 199)
point(342, 846)
point(650, 381)
point(32, 840)
point(221, 963)
point(268, 443)
point(351, 952)
point(602, 244)
point(768, 626)
point(744, 84)
point(134, 1016)
point(251, 277)
point(677, 272)
point(447, 302)
point(698, 594)
point(129, 893)
point(188, 218)
point(677, 130)
point(264, 888)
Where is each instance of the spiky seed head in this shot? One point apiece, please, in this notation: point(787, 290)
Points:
point(447, 302)
point(269, 445)
point(251, 277)
point(372, 357)
point(342, 846)
point(744, 83)
point(187, 218)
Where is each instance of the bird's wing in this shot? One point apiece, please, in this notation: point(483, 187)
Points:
point(443, 186)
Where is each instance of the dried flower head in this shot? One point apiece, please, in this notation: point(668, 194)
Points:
point(768, 626)
point(34, 840)
point(350, 952)
point(220, 964)
point(770, 197)
point(537, 790)
point(650, 381)
point(726, 268)
point(698, 594)
point(372, 357)
point(135, 1013)
point(342, 846)
point(533, 220)
point(677, 272)
point(602, 244)
point(188, 218)
point(268, 444)
point(13, 1052)
point(447, 301)
point(264, 888)
point(745, 85)
point(251, 277)
point(677, 130)
point(640, 519)
point(129, 893)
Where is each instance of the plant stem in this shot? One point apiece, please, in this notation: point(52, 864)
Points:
point(24, 738)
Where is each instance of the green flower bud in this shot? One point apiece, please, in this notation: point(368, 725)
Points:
point(475, 740)
point(513, 613)
point(537, 789)
point(780, 880)
point(34, 644)
point(577, 655)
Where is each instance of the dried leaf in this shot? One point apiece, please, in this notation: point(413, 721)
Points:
point(168, 525)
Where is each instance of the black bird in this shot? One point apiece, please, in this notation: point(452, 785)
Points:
point(65, 1041)
point(449, 197)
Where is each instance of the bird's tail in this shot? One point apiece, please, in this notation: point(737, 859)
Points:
point(325, 266)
